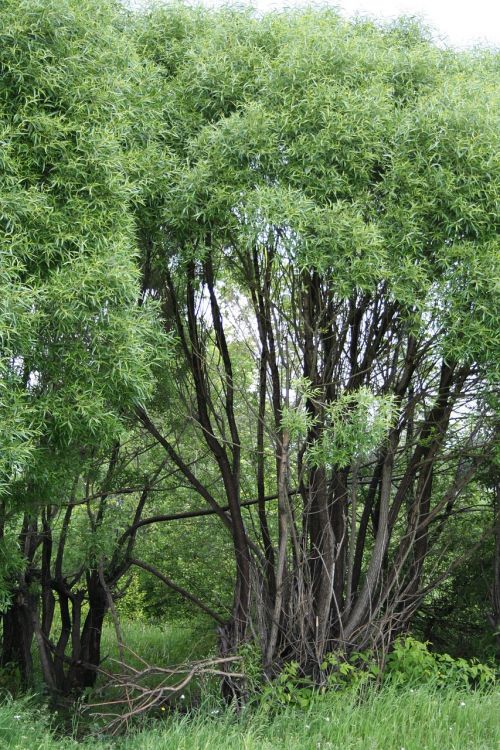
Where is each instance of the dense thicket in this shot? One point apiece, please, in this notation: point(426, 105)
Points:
point(311, 207)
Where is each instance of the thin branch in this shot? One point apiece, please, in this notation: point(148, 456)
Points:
point(175, 587)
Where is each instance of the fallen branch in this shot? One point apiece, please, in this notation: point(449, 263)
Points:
point(137, 699)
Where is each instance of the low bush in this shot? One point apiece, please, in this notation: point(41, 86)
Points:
point(410, 663)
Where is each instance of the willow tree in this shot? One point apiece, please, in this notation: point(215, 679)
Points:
point(330, 206)
point(75, 347)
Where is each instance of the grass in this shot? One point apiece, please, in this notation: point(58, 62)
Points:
point(163, 644)
point(423, 719)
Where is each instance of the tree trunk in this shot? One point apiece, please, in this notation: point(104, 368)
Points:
point(18, 636)
point(82, 673)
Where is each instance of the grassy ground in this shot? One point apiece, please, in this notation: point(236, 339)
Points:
point(425, 719)
point(164, 644)
point(422, 718)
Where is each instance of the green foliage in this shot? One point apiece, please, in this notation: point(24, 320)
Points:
point(364, 71)
point(412, 714)
point(411, 662)
point(368, 156)
point(16, 326)
point(11, 563)
point(289, 688)
point(371, 153)
point(292, 688)
point(354, 425)
point(75, 348)
point(131, 605)
point(354, 671)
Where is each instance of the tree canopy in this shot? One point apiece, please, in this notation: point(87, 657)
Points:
point(249, 271)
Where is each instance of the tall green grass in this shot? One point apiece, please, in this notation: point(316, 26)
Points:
point(162, 644)
point(418, 716)
point(424, 718)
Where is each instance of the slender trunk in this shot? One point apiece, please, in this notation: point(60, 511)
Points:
point(352, 535)
point(282, 549)
point(495, 591)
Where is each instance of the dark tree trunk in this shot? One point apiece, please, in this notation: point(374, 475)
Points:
point(18, 637)
point(82, 673)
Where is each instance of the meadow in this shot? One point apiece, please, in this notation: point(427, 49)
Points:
point(417, 719)
point(418, 715)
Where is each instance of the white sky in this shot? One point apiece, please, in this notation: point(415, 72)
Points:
point(460, 23)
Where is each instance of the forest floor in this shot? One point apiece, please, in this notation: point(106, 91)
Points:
point(422, 717)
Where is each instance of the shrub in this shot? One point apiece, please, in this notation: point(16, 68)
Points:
point(411, 661)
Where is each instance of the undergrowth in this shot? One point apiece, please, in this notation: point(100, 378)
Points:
point(423, 718)
point(421, 701)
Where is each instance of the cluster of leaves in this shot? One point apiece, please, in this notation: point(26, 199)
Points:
point(409, 664)
point(354, 425)
point(75, 348)
point(411, 661)
point(367, 148)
